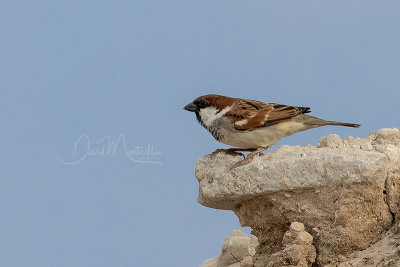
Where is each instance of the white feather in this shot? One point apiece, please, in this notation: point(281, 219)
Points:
point(210, 114)
point(241, 122)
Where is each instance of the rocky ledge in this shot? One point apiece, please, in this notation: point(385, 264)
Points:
point(345, 192)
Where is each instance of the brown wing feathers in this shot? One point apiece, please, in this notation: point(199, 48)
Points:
point(284, 112)
point(250, 114)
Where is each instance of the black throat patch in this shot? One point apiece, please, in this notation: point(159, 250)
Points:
point(215, 131)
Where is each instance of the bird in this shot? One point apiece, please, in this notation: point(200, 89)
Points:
point(250, 125)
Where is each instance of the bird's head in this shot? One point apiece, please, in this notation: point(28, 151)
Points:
point(208, 108)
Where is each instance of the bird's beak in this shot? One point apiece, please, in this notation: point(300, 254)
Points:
point(191, 107)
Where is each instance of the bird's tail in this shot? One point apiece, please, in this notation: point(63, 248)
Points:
point(319, 122)
point(355, 125)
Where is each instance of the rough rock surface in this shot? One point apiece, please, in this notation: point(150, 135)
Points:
point(298, 250)
point(385, 252)
point(345, 192)
point(237, 251)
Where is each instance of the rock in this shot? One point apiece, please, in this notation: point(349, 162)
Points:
point(385, 136)
point(237, 251)
point(332, 140)
point(297, 250)
point(247, 262)
point(285, 169)
point(345, 192)
point(385, 252)
point(296, 226)
point(209, 263)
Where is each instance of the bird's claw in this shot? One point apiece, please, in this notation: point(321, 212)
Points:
point(249, 157)
point(229, 152)
point(242, 162)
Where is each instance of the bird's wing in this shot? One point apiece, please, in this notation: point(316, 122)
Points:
point(251, 114)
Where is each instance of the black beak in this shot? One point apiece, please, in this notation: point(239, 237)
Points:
point(191, 107)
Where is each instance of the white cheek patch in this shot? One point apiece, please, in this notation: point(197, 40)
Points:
point(210, 114)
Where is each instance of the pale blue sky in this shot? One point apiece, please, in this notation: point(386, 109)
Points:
point(126, 68)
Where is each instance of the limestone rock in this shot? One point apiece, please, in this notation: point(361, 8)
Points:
point(345, 192)
point(297, 251)
point(385, 252)
point(237, 251)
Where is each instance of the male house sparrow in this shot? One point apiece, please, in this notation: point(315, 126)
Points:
point(250, 125)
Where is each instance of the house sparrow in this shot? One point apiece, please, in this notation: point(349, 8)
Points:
point(250, 125)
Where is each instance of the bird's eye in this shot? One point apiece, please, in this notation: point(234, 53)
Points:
point(203, 103)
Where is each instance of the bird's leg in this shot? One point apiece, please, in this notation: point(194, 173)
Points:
point(233, 151)
point(249, 157)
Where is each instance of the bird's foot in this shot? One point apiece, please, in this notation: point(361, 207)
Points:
point(242, 162)
point(229, 151)
point(249, 157)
